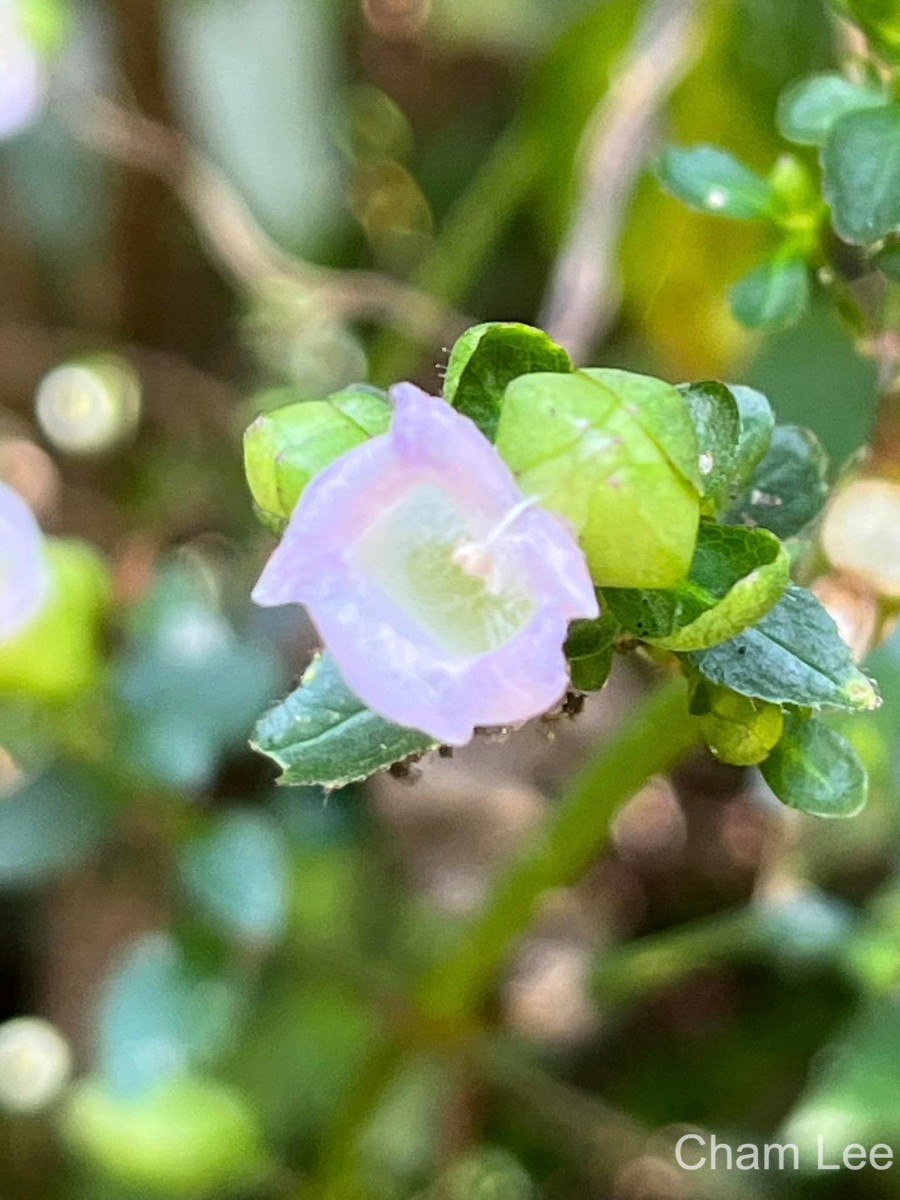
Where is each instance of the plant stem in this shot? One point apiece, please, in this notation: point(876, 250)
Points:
point(625, 973)
point(650, 740)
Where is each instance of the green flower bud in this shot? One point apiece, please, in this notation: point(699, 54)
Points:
point(285, 448)
point(738, 729)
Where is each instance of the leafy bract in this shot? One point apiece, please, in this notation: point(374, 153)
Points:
point(285, 447)
point(322, 734)
point(788, 487)
point(735, 577)
point(816, 770)
point(616, 454)
point(794, 655)
point(488, 357)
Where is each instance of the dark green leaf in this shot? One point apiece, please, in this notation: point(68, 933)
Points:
point(712, 180)
point(488, 357)
point(735, 577)
point(888, 262)
point(322, 734)
point(757, 423)
point(789, 487)
point(794, 655)
point(51, 823)
point(774, 295)
point(809, 108)
point(717, 424)
point(861, 165)
point(816, 770)
point(589, 649)
point(238, 873)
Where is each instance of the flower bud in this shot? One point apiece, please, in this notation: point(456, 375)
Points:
point(740, 730)
point(285, 448)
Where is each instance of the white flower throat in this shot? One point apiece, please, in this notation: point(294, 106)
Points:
point(459, 588)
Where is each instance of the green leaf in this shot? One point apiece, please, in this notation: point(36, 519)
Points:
point(238, 873)
point(888, 262)
point(322, 734)
point(616, 455)
point(187, 1137)
point(589, 649)
point(50, 823)
point(717, 425)
point(809, 108)
point(757, 424)
point(794, 655)
point(285, 447)
point(190, 687)
point(735, 577)
point(773, 295)
point(158, 1016)
point(789, 487)
point(816, 770)
point(711, 180)
point(488, 357)
point(740, 730)
point(861, 180)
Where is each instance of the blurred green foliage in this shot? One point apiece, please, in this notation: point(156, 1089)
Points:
point(224, 956)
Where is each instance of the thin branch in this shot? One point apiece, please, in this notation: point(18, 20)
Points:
point(584, 292)
point(234, 239)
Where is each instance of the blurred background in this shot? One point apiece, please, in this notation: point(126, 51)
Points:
point(211, 207)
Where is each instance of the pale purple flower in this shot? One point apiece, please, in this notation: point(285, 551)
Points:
point(24, 580)
point(22, 81)
point(442, 592)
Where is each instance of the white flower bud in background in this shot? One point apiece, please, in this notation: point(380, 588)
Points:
point(22, 79)
point(89, 405)
point(861, 534)
point(35, 1064)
